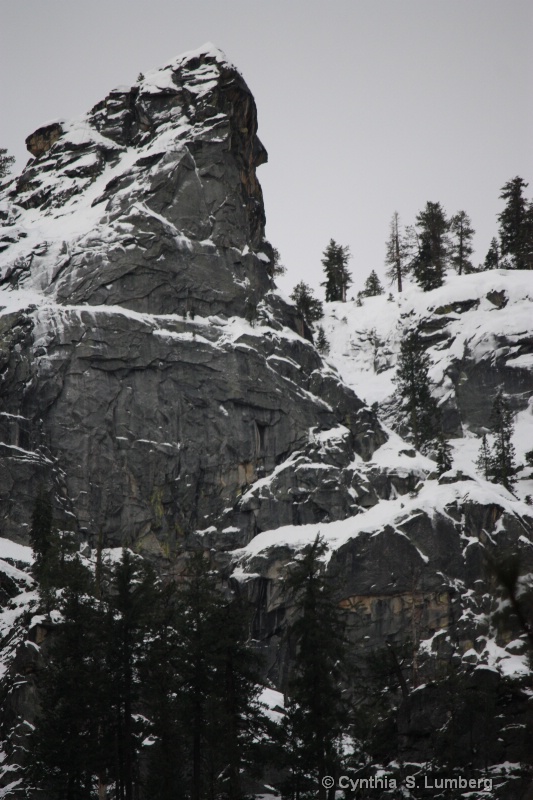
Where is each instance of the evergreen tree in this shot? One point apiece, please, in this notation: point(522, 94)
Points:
point(218, 675)
point(396, 257)
point(516, 230)
point(306, 303)
point(502, 468)
point(412, 381)
point(70, 743)
point(483, 462)
point(322, 344)
point(461, 245)
point(167, 767)
point(373, 286)
point(238, 719)
point(429, 265)
point(87, 732)
point(6, 161)
point(277, 268)
point(444, 454)
point(335, 262)
point(317, 710)
point(134, 596)
point(492, 259)
point(42, 539)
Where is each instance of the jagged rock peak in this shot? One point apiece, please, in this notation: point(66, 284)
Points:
point(149, 201)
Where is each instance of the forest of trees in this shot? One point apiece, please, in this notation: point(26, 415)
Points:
point(435, 244)
point(153, 686)
point(145, 683)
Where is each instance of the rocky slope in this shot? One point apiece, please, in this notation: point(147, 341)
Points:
point(149, 371)
point(157, 385)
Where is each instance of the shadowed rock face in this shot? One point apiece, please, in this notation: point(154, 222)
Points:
point(164, 174)
point(157, 377)
point(153, 381)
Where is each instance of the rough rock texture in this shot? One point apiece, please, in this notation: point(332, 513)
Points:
point(154, 382)
point(150, 375)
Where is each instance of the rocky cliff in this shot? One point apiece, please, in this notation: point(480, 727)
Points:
point(156, 384)
point(150, 374)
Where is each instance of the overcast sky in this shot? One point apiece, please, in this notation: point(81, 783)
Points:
point(365, 106)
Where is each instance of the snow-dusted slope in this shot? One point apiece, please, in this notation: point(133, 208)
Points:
point(478, 331)
point(165, 395)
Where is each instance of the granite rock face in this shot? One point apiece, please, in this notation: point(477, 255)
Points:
point(151, 374)
point(154, 382)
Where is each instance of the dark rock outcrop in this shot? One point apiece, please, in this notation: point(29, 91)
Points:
point(157, 376)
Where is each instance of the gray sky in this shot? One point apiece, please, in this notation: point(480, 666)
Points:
point(365, 106)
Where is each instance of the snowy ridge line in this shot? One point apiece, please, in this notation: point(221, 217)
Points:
point(431, 500)
point(364, 340)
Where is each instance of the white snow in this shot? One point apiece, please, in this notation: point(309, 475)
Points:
point(16, 552)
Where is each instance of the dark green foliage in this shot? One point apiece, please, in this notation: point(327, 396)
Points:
point(42, 539)
point(6, 162)
point(335, 262)
point(412, 381)
point(72, 738)
point(88, 730)
point(444, 454)
point(429, 264)
point(56, 563)
point(206, 709)
point(516, 226)
point(322, 344)
point(502, 467)
point(529, 458)
point(484, 458)
point(277, 268)
point(492, 259)
point(317, 714)
point(238, 718)
point(461, 244)
point(396, 257)
point(497, 464)
point(131, 604)
point(147, 683)
point(306, 303)
point(373, 286)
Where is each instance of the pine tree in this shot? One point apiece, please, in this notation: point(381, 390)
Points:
point(167, 767)
point(237, 717)
point(444, 454)
point(461, 245)
point(483, 461)
point(277, 267)
point(70, 743)
point(373, 286)
point(492, 259)
point(131, 605)
point(322, 344)
point(306, 303)
point(396, 257)
point(429, 264)
point(412, 381)
point(6, 162)
point(198, 630)
point(335, 262)
point(502, 467)
point(89, 727)
point(317, 714)
point(516, 230)
point(42, 539)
